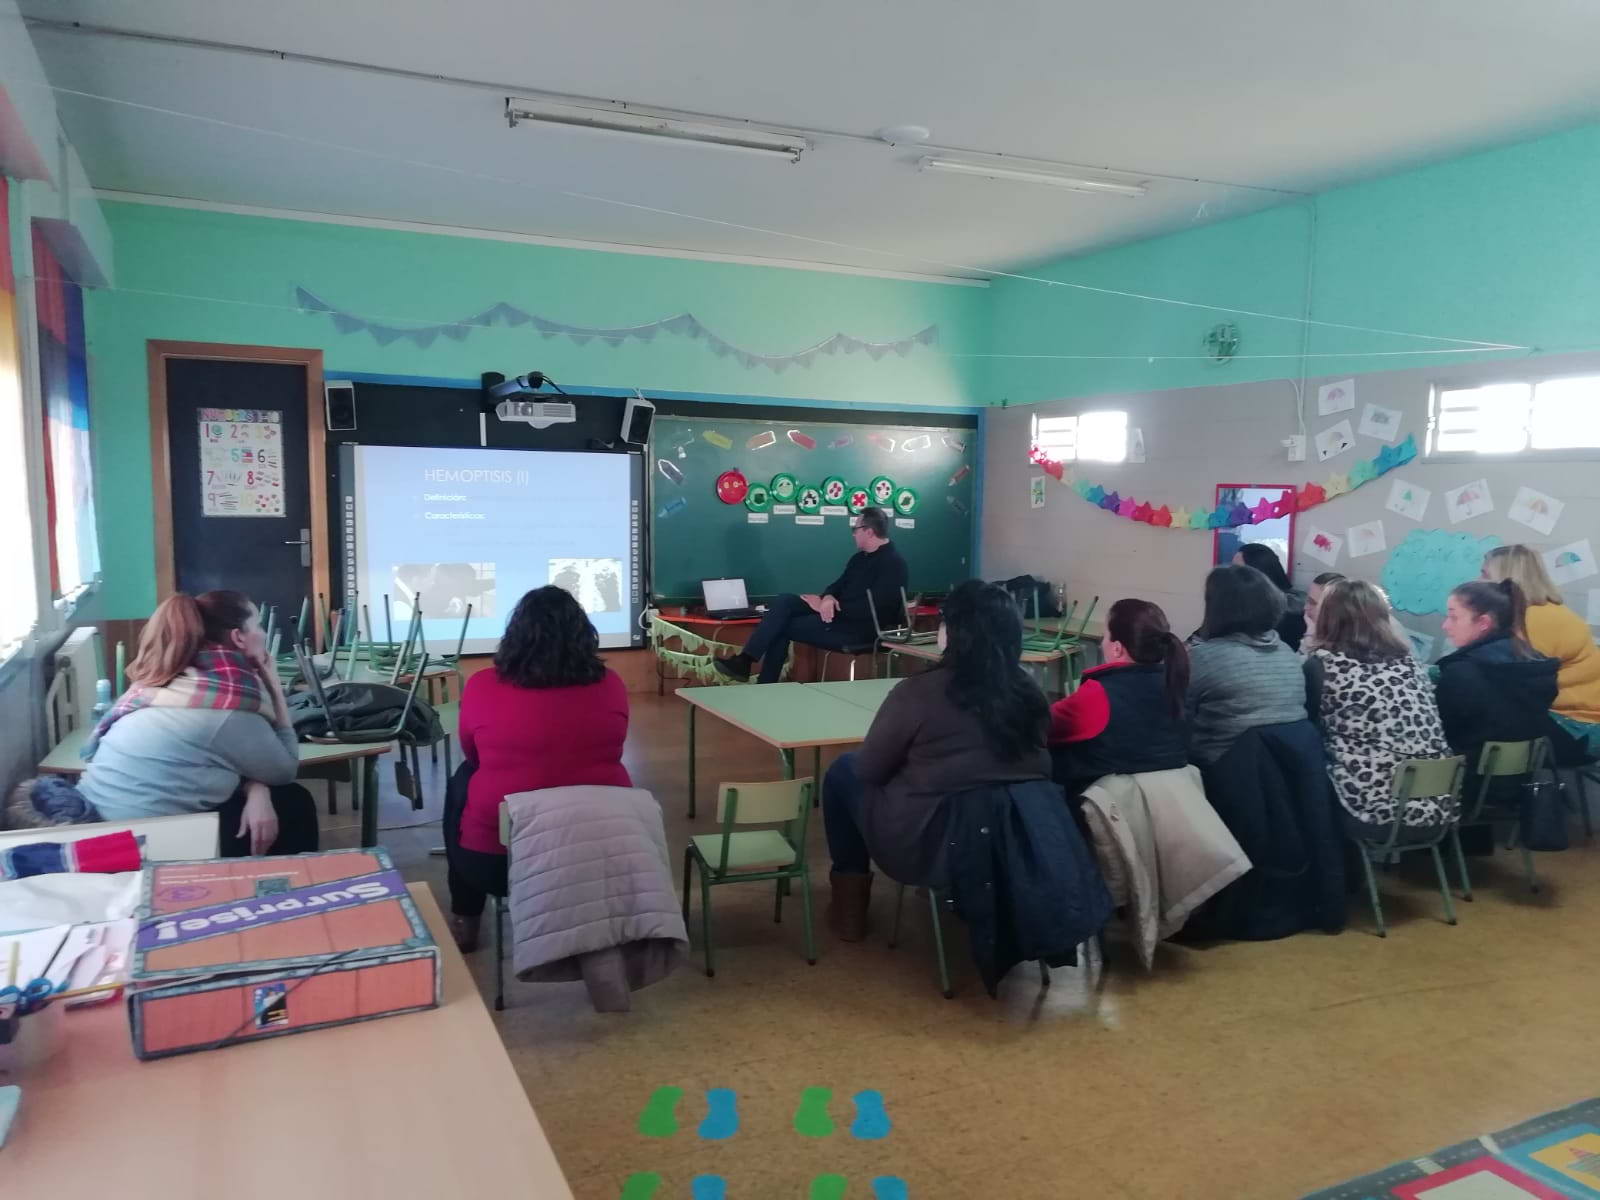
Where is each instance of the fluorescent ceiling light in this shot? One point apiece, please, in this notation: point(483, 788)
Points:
point(729, 136)
point(1023, 172)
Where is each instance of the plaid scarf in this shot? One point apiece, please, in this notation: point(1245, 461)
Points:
point(219, 679)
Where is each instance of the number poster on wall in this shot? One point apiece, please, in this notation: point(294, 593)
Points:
point(241, 462)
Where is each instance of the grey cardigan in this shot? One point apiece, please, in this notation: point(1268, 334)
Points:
point(155, 762)
point(1239, 682)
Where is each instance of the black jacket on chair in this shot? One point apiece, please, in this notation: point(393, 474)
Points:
point(1020, 875)
point(1488, 693)
point(1272, 791)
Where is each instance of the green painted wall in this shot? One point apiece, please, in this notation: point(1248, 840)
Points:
point(1502, 246)
point(197, 276)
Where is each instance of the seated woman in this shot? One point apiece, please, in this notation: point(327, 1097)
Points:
point(1557, 632)
point(1375, 705)
point(1495, 687)
point(976, 719)
point(1127, 715)
point(1314, 594)
point(203, 726)
point(550, 714)
point(1292, 624)
point(1241, 673)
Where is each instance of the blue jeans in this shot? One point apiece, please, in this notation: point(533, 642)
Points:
point(844, 817)
point(790, 619)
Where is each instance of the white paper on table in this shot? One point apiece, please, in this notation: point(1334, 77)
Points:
point(1322, 546)
point(1336, 397)
point(1572, 562)
point(1594, 606)
point(1367, 538)
point(1381, 423)
point(1408, 499)
point(1334, 441)
point(1468, 501)
point(1536, 510)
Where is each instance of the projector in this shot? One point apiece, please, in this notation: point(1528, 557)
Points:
point(541, 414)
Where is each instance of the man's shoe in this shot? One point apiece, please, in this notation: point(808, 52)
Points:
point(736, 668)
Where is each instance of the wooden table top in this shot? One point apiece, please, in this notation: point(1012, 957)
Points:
point(425, 1104)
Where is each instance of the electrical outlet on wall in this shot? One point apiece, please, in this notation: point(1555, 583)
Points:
point(1296, 446)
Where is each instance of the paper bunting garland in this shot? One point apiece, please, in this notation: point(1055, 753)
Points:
point(1225, 516)
point(684, 325)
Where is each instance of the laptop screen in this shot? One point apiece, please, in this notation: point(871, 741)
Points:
point(723, 594)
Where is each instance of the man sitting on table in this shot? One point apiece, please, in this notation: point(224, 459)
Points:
point(837, 619)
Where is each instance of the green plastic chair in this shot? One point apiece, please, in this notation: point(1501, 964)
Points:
point(936, 906)
point(1412, 778)
point(753, 856)
point(1502, 761)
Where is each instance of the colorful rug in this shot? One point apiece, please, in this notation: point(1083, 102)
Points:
point(1553, 1157)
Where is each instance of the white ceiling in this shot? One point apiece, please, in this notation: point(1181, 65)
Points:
point(1279, 94)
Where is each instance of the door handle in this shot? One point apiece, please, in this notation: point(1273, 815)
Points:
point(304, 542)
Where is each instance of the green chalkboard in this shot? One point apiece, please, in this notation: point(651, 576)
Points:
point(696, 535)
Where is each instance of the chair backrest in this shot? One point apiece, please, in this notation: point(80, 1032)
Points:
point(766, 803)
point(1500, 759)
point(462, 640)
point(308, 672)
point(1428, 777)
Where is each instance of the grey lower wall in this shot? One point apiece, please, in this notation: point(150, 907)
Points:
point(1196, 438)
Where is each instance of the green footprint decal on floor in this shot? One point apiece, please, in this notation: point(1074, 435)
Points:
point(828, 1187)
point(811, 1119)
point(660, 1117)
point(641, 1186)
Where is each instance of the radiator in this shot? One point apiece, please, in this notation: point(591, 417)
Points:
point(78, 666)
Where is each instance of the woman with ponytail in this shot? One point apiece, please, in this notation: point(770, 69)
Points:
point(202, 727)
point(977, 719)
point(1126, 716)
point(1495, 687)
point(1376, 709)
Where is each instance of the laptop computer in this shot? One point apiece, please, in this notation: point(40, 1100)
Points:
point(726, 600)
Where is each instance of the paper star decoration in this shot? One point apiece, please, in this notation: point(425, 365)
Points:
point(1095, 494)
point(1364, 471)
point(1285, 505)
point(1310, 496)
point(1161, 517)
point(1143, 513)
point(1180, 518)
point(1200, 519)
point(1218, 518)
point(1388, 459)
point(1261, 512)
point(1126, 507)
point(1337, 485)
point(1110, 501)
point(1406, 451)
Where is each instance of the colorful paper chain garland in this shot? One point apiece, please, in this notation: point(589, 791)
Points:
point(1225, 516)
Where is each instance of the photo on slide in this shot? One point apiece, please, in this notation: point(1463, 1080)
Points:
point(596, 583)
point(445, 588)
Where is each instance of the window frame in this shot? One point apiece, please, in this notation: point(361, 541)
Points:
point(1077, 434)
point(1533, 380)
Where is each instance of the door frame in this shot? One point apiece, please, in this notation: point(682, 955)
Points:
point(157, 354)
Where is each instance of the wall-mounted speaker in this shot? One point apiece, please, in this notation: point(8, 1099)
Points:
point(339, 399)
point(637, 415)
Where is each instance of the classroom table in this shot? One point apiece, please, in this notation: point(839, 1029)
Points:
point(67, 759)
point(1066, 659)
point(789, 716)
point(425, 1104)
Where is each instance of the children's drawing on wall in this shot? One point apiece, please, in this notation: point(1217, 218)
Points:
point(1381, 423)
point(1036, 492)
point(1322, 546)
point(1407, 499)
point(1336, 397)
point(1468, 501)
point(1536, 510)
point(1570, 563)
point(1366, 539)
point(1428, 563)
point(1594, 606)
point(1334, 441)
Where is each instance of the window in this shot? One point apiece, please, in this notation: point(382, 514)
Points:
point(18, 596)
point(1509, 418)
point(1093, 436)
point(68, 469)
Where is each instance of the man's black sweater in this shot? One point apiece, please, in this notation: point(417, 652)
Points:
point(882, 572)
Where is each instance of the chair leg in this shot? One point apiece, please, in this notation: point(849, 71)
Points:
point(899, 906)
point(499, 954)
point(777, 903)
point(688, 879)
point(705, 922)
point(1044, 975)
point(1444, 884)
point(333, 798)
point(1461, 864)
point(1527, 869)
point(938, 946)
point(449, 760)
point(805, 917)
point(1372, 892)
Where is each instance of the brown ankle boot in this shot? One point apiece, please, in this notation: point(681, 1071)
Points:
point(847, 912)
point(464, 931)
